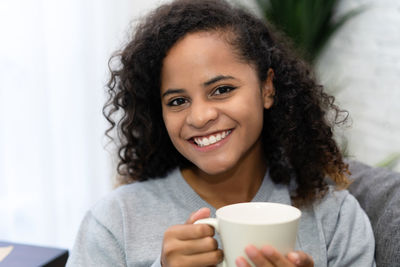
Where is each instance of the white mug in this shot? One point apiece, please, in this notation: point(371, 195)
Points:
point(256, 223)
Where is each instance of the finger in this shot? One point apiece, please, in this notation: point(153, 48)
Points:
point(241, 262)
point(197, 246)
point(300, 259)
point(189, 231)
point(203, 259)
point(197, 215)
point(275, 257)
point(257, 257)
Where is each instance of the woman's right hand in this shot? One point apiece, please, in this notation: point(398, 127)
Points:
point(191, 244)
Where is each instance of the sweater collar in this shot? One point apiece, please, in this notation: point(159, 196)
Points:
point(268, 192)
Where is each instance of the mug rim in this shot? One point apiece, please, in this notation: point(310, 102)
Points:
point(295, 217)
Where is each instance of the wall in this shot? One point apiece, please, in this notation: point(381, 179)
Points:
point(362, 66)
point(53, 68)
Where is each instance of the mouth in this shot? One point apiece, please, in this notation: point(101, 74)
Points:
point(204, 141)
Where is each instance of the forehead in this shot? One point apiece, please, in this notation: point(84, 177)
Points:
point(201, 55)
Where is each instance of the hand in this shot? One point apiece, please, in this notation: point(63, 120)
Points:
point(267, 256)
point(191, 244)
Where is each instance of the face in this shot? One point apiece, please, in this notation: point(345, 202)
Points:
point(213, 103)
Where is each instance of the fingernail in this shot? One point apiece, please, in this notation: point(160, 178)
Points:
point(240, 263)
point(251, 251)
point(267, 251)
point(295, 257)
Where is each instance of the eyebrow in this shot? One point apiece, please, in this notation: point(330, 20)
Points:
point(172, 91)
point(216, 79)
point(205, 84)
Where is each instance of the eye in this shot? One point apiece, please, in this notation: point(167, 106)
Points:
point(177, 102)
point(224, 90)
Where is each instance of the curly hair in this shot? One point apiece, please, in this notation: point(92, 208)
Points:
point(297, 133)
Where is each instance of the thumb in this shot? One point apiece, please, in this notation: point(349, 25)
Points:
point(197, 215)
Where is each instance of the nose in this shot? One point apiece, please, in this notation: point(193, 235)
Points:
point(201, 113)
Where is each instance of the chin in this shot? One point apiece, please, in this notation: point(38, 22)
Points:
point(214, 169)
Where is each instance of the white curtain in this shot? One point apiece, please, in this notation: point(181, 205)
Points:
point(53, 68)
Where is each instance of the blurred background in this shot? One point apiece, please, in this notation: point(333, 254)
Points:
point(54, 159)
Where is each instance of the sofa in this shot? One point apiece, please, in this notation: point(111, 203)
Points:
point(378, 192)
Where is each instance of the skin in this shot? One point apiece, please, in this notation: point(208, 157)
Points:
point(206, 89)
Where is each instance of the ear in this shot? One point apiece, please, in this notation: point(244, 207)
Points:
point(268, 90)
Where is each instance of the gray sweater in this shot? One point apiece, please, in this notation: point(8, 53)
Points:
point(126, 228)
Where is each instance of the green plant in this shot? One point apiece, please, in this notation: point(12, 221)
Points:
point(390, 162)
point(309, 23)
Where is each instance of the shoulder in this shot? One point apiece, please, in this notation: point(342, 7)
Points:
point(336, 231)
point(325, 213)
point(127, 218)
point(335, 204)
point(333, 200)
point(338, 212)
point(130, 199)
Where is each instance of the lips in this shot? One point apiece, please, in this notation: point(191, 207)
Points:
point(203, 141)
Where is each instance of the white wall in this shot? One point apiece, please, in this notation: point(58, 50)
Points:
point(53, 68)
point(362, 64)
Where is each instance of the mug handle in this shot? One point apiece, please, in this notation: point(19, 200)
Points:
point(213, 223)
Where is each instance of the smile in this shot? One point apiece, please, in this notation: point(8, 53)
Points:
point(211, 139)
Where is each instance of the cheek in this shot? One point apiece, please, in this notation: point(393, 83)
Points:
point(172, 124)
point(167, 122)
point(250, 109)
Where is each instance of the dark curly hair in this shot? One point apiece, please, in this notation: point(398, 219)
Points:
point(297, 134)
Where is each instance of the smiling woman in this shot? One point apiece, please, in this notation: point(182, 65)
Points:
point(216, 110)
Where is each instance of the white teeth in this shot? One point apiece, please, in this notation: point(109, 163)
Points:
point(212, 139)
point(206, 142)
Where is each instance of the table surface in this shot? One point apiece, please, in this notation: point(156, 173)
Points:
point(31, 255)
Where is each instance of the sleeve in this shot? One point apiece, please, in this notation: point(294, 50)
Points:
point(352, 243)
point(157, 262)
point(95, 245)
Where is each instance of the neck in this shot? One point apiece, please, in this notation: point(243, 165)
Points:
point(238, 184)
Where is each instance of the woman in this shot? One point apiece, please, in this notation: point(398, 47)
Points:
point(212, 109)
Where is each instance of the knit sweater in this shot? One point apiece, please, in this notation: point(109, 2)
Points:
point(126, 227)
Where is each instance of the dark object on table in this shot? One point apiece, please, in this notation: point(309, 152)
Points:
point(33, 256)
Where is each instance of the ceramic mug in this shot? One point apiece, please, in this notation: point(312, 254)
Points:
point(256, 223)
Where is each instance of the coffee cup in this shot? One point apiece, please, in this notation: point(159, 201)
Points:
point(255, 223)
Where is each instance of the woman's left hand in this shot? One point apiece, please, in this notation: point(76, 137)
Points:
point(267, 256)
